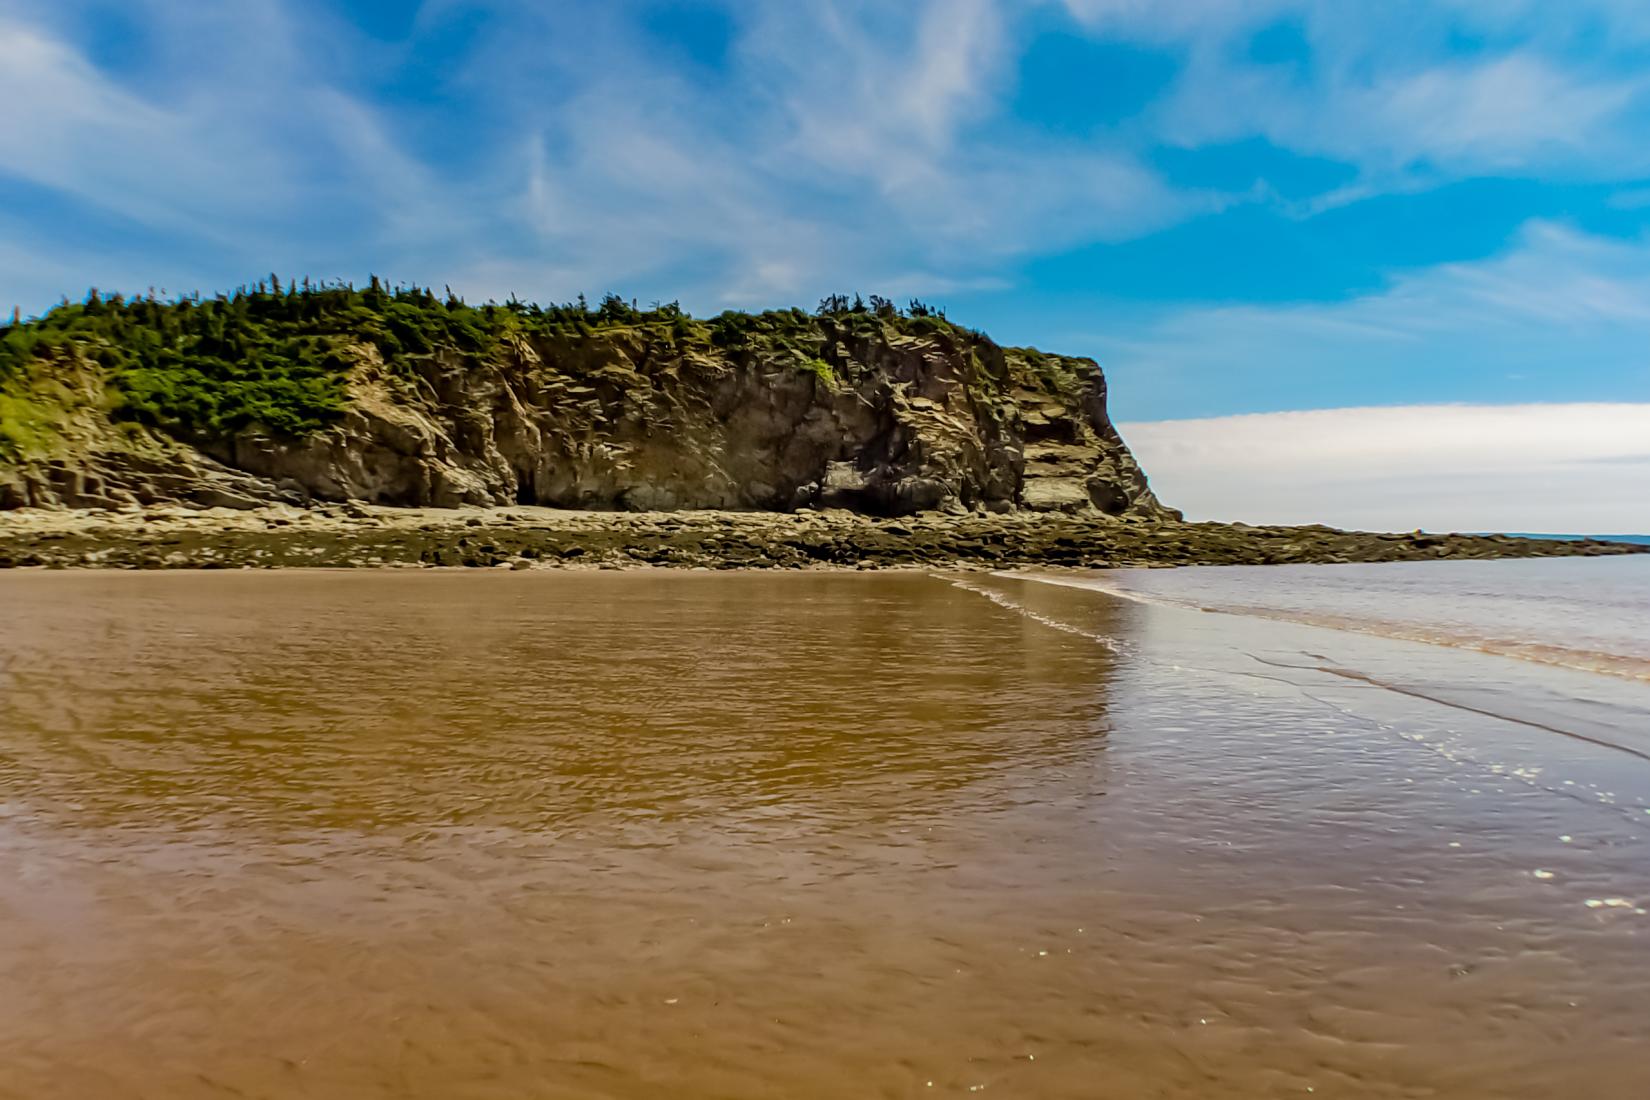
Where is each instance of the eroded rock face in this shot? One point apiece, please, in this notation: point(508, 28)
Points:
point(123, 479)
point(622, 420)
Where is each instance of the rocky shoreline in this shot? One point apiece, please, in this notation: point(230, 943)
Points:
point(354, 535)
point(282, 426)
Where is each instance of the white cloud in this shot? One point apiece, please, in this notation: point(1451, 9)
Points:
point(1513, 112)
point(1199, 20)
point(1391, 88)
point(1560, 308)
point(1580, 468)
point(84, 135)
point(844, 145)
point(1495, 113)
point(885, 106)
point(229, 152)
point(842, 148)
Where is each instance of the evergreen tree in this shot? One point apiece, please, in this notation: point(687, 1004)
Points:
point(279, 354)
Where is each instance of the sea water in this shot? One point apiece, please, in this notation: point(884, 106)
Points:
point(1585, 613)
point(639, 834)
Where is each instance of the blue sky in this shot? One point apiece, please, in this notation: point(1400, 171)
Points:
point(1237, 207)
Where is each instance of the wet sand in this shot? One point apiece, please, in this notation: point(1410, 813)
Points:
point(389, 834)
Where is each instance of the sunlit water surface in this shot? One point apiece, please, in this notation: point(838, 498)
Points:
point(635, 835)
point(1591, 614)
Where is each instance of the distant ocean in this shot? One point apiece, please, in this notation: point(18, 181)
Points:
point(1643, 540)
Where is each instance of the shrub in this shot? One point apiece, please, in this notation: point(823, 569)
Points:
point(279, 354)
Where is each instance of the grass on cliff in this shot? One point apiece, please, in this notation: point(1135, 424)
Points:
point(26, 427)
point(277, 356)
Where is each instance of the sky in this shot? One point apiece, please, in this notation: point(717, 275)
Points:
point(1398, 217)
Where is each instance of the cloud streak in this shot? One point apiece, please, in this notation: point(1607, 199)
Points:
point(1561, 309)
point(844, 143)
point(1411, 93)
point(1579, 468)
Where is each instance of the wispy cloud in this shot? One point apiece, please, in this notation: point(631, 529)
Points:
point(840, 144)
point(1561, 308)
point(86, 136)
point(232, 153)
point(549, 149)
point(843, 148)
point(1512, 112)
point(1562, 467)
point(1391, 89)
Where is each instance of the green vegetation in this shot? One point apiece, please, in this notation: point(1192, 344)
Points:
point(26, 426)
point(1050, 372)
point(822, 371)
point(278, 356)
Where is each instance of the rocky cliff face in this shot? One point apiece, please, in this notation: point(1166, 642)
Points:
point(870, 417)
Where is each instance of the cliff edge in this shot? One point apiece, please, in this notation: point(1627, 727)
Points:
point(288, 395)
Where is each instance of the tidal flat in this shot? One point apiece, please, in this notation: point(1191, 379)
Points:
point(387, 833)
point(352, 535)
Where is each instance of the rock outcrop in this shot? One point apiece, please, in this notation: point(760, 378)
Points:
point(523, 537)
point(871, 417)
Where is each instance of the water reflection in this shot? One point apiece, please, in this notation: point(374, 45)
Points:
point(460, 835)
point(527, 701)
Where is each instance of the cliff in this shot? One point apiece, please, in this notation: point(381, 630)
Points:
point(279, 395)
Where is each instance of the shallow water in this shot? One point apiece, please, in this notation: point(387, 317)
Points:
point(1591, 614)
point(627, 835)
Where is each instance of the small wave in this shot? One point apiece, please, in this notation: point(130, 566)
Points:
point(1020, 609)
point(1417, 693)
point(1585, 660)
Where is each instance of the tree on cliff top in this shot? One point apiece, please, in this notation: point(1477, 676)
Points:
point(278, 354)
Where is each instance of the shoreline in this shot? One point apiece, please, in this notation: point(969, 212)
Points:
point(353, 535)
